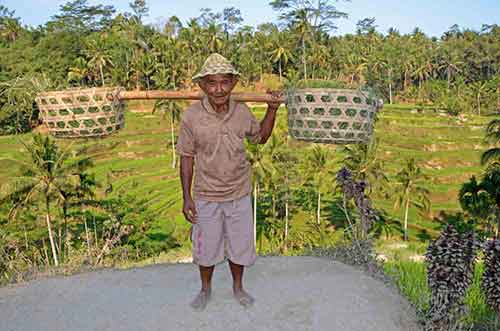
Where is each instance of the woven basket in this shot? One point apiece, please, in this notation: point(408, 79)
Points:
point(82, 112)
point(327, 115)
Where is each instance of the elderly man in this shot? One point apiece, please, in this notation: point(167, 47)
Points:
point(211, 139)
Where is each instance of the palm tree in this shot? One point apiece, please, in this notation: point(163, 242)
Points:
point(281, 50)
point(410, 191)
point(491, 184)
point(98, 55)
point(260, 169)
point(10, 28)
point(475, 199)
point(174, 111)
point(46, 176)
point(479, 88)
point(492, 155)
point(303, 29)
point(273, 179)
point(79, 71)
point(364, 163)
point(316, 168)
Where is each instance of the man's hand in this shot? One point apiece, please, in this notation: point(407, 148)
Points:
point(276, 95)
point(189, 210)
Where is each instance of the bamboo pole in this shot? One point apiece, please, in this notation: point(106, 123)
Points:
point(184, 95)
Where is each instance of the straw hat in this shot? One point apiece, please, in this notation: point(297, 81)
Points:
point(215, 64)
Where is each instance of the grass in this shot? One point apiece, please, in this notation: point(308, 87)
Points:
point(411, 279)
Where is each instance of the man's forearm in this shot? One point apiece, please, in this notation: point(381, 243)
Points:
point(186, 172)
point(267, 125)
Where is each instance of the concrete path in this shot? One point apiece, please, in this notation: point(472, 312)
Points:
point(292, 293)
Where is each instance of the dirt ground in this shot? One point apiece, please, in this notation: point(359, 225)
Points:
point(292, 293)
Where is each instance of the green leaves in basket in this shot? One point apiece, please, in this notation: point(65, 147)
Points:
point(319, 83)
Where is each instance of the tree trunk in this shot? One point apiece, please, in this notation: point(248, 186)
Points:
point(279, 66)
point(52, 244)
point(406, 80)
point(87, 236)
point(172, 138)
point(498, 222)
point(304, 57)
point(95, 233)
point(319, 207)
point(102, 74)
point(45, 253)
point(390, 86)
point(407, 207)
point(25, 237)
point(285, 241)
point(60, 247)
point(255, 213)
point(65, 232)
point(448, 76)
point(479, 104)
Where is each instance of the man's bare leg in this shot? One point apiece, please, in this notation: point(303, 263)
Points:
point(240, 294)
point(201, 300)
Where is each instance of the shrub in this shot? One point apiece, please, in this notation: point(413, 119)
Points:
point(450, 270)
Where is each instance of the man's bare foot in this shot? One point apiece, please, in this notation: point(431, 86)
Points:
point(243, 298)
point(201, 300)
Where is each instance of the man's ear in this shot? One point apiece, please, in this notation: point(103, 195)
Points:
point(201, 84)
point(235, 81)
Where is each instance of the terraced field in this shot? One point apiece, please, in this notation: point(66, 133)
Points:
point(138, 160)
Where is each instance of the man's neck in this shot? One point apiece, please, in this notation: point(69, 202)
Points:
point(220, 108)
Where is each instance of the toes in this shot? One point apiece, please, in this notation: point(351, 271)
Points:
point(200, 302)
point(245, 299)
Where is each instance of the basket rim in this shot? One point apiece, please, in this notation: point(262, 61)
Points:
point(321, 89)
point(74, 90)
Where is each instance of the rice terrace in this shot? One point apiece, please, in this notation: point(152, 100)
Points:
point(345, 163)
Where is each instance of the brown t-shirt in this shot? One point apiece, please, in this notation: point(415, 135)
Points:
point(216, 141)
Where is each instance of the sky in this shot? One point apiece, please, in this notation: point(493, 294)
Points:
point(432, 16)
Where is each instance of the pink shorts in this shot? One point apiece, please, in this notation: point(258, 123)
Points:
point(224, 230)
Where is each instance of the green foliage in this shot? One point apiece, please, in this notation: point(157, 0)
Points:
point(92, 45)
point(411, 279)
point(148, 235)
point(79, 16)
point(318, 83)
point(18, 111)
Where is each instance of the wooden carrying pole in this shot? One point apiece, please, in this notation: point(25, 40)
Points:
point(180, 95)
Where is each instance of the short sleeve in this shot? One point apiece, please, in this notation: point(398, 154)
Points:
point(253, 131)
point(185, 142)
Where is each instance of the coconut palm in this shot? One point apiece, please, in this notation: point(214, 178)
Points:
point(362, 160)
point(98, 55)
point(281, 53)
point(316, 169)
point(410, 191)
point(303, 29)
point(79, 71)
point(46, 176)
point(492, 155)
point(478, 89)
point(174, 111)
point(272, 180)
point(10, 28)
point(491, 184)
point(475, 199)
point(259, 172)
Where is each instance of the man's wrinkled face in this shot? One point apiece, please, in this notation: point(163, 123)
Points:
point(218, 87)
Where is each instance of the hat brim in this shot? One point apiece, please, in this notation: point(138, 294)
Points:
point(200, 76)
